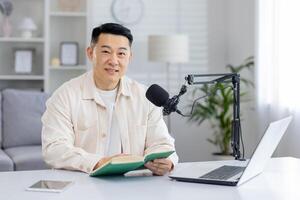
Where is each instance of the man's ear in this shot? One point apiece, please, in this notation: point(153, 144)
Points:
point(130, 57)
point(89, 53)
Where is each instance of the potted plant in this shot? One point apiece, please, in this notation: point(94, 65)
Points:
point(217, 107)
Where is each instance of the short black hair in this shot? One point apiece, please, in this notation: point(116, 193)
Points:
point(111, 28)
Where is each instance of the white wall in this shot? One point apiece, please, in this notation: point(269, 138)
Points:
point(162, 17)
point(221, 31)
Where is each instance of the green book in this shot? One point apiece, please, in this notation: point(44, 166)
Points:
point(122, 164)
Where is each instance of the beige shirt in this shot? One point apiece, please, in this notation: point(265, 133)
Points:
point(75, 124)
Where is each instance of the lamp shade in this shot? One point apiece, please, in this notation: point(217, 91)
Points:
point(168, 48)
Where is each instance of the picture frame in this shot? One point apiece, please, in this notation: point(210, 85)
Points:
point(69, 53)
point(23, 60)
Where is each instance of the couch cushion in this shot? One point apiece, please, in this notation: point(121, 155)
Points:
point(27, 157)
point(6, 164)
point(21, 117)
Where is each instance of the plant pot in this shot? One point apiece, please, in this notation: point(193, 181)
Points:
point(220, 156)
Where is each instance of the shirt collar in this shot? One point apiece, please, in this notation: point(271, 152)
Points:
point(90, 89)
point(124, 87)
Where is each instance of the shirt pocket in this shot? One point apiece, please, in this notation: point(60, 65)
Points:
point(86, 136)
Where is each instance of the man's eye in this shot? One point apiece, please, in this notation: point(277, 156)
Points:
point(122, 54)
point(104, 51)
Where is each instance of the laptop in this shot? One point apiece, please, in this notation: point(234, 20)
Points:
point(236, 172)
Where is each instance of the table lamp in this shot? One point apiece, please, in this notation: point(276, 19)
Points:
point(27, 26)
point(169, 49)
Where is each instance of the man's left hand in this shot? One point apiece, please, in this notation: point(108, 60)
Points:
point(160, 166)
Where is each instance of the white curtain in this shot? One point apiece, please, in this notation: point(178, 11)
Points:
point(278, 67)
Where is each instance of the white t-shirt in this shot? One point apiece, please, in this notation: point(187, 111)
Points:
point(114, 145)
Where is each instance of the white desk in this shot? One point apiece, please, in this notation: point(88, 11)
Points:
point(281, 180)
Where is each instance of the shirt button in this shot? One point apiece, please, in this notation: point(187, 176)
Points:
point(103, 135)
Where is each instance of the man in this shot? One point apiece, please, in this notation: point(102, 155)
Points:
point(102, 113)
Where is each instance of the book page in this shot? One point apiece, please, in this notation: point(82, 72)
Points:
point(127, 159)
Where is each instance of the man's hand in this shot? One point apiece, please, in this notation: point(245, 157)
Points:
point(105, 159)
point(160, 166)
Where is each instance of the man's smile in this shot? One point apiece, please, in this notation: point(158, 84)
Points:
point(111, 71)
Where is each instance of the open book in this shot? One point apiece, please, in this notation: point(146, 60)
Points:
point(122, 164)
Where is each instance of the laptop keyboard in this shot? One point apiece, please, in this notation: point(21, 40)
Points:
point(223, 173)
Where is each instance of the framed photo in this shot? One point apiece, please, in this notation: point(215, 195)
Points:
point(69, 53)
point(23, 60)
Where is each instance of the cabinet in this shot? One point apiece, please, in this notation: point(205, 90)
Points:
point(56, 22)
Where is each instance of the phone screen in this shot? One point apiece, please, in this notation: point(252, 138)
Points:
point(49, 185)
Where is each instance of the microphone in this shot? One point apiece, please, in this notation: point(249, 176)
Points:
point(160, 97)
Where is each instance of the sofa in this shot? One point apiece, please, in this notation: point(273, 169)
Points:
point(21, 126)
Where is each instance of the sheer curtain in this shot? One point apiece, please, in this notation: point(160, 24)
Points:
point(278, 67)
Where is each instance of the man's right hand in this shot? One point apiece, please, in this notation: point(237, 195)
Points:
point(105, 159)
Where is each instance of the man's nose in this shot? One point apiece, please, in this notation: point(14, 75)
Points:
point(114, 59)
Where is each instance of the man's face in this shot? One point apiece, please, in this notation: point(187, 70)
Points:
point(110, 58)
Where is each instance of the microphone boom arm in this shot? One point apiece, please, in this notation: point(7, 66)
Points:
point(236, 122)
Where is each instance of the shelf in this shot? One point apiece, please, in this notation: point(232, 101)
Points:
point(19, 39)
point(21, 77)
point(78, 67)
point(51, 20)
point(68, 14)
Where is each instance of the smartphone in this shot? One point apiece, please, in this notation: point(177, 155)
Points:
point(49, 186)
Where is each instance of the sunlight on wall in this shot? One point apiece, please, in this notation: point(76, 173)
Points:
point(278, 59)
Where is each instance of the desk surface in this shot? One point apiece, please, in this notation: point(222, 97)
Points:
point(280, 180)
